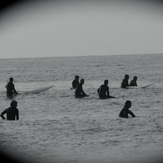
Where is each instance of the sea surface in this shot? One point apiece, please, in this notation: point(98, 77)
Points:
point(55, 127)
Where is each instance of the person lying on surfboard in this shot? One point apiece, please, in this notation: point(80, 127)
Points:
point(134, 81)
point(79, 93)
point(103, 91)
point(124, 83)
point(75, 82)
point(11, 91)
point(12, 113)
point(125, 111)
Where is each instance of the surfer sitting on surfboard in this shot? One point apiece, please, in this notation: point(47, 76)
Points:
point(134, 81)
point(79, 93)
point(124, 83)
point(11, 91)
point(125, 111)
point(12, 112)
point(103, 91)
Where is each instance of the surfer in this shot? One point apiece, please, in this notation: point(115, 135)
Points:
point(75, 82)
point(12, 112)
point(125, 111)
point(79, 93)
point(11, 91)
point(124, 83)
point(134, 81)
point(103, 91)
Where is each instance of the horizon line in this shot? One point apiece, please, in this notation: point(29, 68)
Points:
point(64, 56)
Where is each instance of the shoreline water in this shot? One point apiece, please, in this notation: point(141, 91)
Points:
point(53, 127)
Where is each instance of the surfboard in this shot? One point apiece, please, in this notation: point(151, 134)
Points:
point(38, 90)
point(148, 85)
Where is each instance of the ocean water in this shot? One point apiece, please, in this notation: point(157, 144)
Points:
point(56, 127)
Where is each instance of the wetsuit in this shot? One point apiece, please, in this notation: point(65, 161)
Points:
point(79, 91)
point(124, 83)
point(124, 113)
point(12, 113)
point(75, 84)
point(133, 83)
point(103, 92)
point(10, 89)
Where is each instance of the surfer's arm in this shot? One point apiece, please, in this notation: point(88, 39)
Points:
point(83, 93)
point(124, 84)
point(15, 90)
point(3, 113)
point(131, 113)
point(17, 114)
point(73, 86)
point(107, 91)
point(123, 114)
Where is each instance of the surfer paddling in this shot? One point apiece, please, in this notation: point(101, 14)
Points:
point(11, 91)
point(103, 91)
point(125, 111)
point(79, 93)
point(12, 113)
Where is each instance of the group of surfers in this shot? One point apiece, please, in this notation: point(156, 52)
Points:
point(12, 113)
point(103, 90)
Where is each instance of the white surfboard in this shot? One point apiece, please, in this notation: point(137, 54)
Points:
point(146, 86)
point(38, 90)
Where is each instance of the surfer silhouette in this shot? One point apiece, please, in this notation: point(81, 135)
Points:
point(103, 91)
point(79, 93)
point(124, 83)
point(133, 82)
point(125, 111)
point(75, 82)
point(12, 112)
point(11, 91)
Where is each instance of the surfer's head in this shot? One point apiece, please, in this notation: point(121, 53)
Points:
point(13, 104)
point(76, 77)
point(135, 78)
point(11, 79)
point(127, 76)
point(106, 82)
point(82, 81)
point(128, 104)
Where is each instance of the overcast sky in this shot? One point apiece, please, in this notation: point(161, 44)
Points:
point(48, 28)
